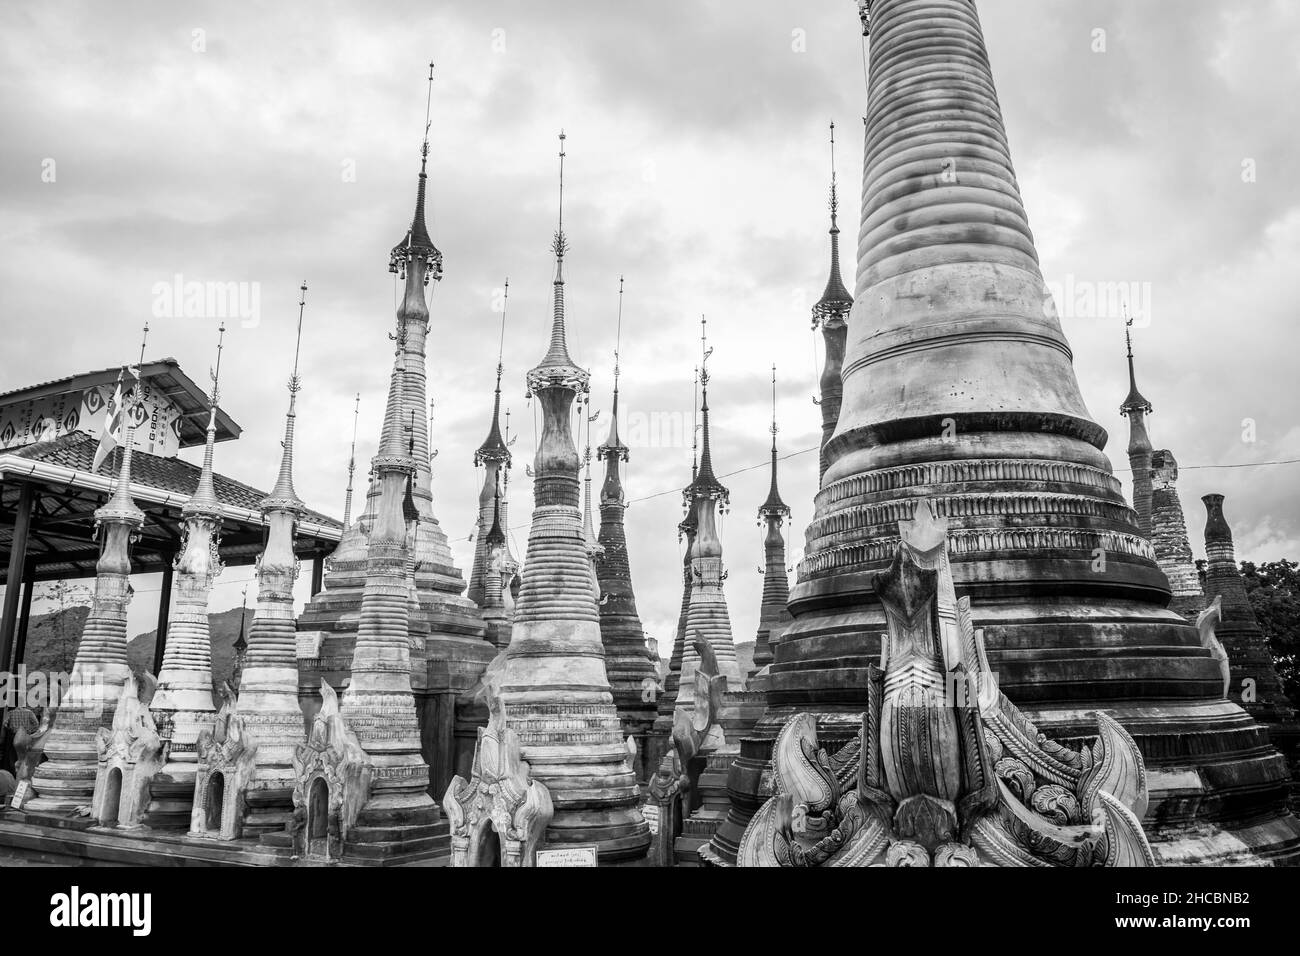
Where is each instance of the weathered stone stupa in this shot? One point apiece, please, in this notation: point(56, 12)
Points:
point(627, 663)
point(1136, 408)
point(268, 686)
point(958, 385)
point(379, 704)
point(1255, 682)
point(500, 572)
point(494, 455)
point(450, 649)
point(66, 780)
point(707, 616)
point(182, 706)
point(667, 702)
point(555, 692)
point(773, 616)
point(1169, 537)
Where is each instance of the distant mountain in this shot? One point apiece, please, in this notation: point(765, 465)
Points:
point(224, 629)
point(52, 641)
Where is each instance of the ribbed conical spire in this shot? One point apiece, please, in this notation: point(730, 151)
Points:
point(283, 496)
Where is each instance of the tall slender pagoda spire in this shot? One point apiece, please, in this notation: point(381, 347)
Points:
point(707, 616)
point(499, 571)
point(352, 464)
point(450, 658)
point(772, 514)
point(494, 455)
point(667, 702)
point(555, 692)
point(268, 689)
point(589, 540)
point(66, 780)
point(959, 386)
point(627, 663)
point(182, 705)
point(831, 314)
point(379, 703)
point(417, 263)
point(1136, 408)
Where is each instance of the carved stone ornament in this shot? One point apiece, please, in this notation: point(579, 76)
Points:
point(946, 771)
point(1207, 622)
point(499, 816)
point(331, 782)
point(696, 731)
point(130, 754)
point(227, 764)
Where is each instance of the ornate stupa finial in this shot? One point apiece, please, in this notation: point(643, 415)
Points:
point(834, 305)
point(613, 447)
point(283, 497)
point(774, 506)
point(1135, 402)
point(688, 523)
point(416, 244)
point(204, 503)
point(352, 462)
point(494, 447)
point(144, 340)
point(706, 484)
point(557, 367)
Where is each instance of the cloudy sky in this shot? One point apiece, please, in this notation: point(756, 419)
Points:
point(268, 144)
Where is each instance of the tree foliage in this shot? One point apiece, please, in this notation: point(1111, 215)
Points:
point(1274, 591)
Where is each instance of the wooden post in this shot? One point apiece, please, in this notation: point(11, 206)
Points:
point(164, 613)
point(16, 572)
point(24, 616)
point(9, 614)
point(317, 574)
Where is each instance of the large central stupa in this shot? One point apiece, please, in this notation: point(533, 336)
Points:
point(959, 386)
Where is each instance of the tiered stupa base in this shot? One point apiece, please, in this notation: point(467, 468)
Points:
point(444, 664)
point(592, 787)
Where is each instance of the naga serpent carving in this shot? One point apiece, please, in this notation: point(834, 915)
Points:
point(946, 771)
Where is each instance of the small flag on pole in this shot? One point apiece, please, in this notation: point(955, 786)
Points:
point(113, 418)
